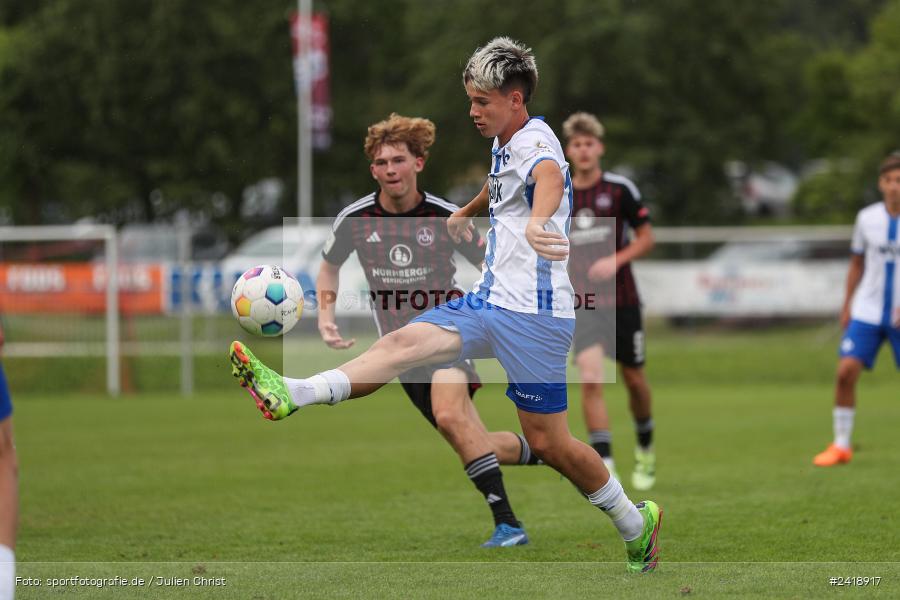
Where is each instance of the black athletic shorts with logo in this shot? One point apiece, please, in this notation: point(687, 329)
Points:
point(626, 335)
point(417, 385)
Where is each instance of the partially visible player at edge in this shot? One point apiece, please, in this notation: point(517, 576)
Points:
point(9, 499)
point(600, 194)
point(398, 215)
point(871, 311)
point(522, 309)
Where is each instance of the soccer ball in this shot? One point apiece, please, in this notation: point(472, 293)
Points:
point(267, 301)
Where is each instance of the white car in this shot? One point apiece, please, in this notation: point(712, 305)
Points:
point(764, 190)
point(295, 250)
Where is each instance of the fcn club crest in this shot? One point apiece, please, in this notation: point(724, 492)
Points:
point(425, 236)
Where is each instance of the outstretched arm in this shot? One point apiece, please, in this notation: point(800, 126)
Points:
point(548, 191)
point(327, 284)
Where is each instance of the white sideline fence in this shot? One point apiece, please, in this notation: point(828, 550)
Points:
point(679, 286)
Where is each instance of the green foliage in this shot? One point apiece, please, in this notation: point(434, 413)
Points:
point(831, 197)
point(136, 109)
point(854, 113)
point(106, 102)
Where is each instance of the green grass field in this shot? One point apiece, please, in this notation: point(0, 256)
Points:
point(364, 500)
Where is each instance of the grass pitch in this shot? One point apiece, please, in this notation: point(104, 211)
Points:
point(365, 500)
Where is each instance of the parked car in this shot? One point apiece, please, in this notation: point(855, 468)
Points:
point(780, 250)
point(296, 250)
point(764, 189)
point(159, 243)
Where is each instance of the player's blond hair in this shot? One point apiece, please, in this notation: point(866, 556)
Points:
point(582, 123)
point(417, 133)
point(501, 64)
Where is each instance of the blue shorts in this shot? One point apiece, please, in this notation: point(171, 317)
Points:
point(5, 400)
point(532, 349)
point(863, 340)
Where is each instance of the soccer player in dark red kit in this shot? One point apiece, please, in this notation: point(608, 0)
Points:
point(400, 237)
point(592, 262)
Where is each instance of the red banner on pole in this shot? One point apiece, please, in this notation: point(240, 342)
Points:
point(315, 66)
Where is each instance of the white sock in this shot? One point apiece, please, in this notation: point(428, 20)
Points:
point(7, 572)
point(612, 500)
point(328, 387)
point(610, 464)
point(843, 425)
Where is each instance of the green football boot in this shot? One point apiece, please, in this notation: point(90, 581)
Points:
point(644, 476)
point(643, 552)
point(264, 384)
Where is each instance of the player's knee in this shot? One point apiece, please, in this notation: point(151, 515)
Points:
point(591, 389)
point(8, 458)
point(847, 374)
point(589, 370)
point(633, 378)
point(541, 444)
point(448, 419)
point(846, 378)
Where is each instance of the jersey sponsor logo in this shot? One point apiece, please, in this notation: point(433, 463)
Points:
point(590, 236)
point(890, 251)
point(374, 238)
point(588, 228)
point(584, 218)
point(495, 190)
point(401, 255)
point(411, 272)
point(524, 396)
point(425, 236)
point(603, 201)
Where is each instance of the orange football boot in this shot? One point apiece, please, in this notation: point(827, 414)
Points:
point(833, 455)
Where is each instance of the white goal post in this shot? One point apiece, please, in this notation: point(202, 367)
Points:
point(86, 232)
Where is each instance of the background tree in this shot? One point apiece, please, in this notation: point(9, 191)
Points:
point(132, 110)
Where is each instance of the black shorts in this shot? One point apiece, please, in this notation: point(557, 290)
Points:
point(417, 385)
point(624, 333)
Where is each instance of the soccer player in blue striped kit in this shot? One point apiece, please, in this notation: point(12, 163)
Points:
point(397, 216)
point(521, 310)
point(9, 486)
point(871, 311)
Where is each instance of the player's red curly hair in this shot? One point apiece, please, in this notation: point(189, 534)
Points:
point(417, 133)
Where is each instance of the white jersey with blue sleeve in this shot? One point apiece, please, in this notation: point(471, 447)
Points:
point(876, 237)
point(513, 275)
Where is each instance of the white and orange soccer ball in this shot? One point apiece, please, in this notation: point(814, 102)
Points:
point(267, 300)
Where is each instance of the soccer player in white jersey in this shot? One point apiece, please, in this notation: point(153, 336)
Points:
point(871, 312)
point(395, 216)
point(521, 310)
